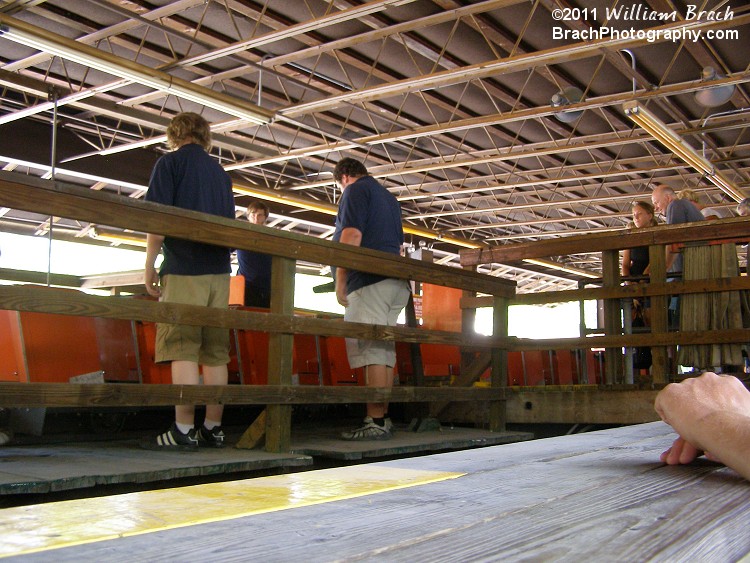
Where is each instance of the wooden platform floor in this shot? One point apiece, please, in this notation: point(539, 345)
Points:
point(323, 441)
point(598, 496)
point(60, 467)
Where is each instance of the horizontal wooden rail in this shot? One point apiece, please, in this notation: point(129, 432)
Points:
point(28, 276)
point(71, 302)
point(731, 336)
point(723, 229)
point(634, 291)
point(63, 200)
point(153, 395)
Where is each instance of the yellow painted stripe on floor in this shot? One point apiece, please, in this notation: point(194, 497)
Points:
point(29, 529)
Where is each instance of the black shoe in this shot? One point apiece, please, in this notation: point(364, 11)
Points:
point(172, 439)
point(368, 431)
point(213, 438)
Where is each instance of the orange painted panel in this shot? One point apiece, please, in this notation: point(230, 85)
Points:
point(566, 367)
point(440, 360)
point(515, 368)
point(537, 369)
point(59, 347)
point(305, 362)
point(117, 353)
point(594, 366)
point(152, 372)
point(404, 366)
point(11, 352)
point(440, 308)
point(237, 290)
point(341, 372)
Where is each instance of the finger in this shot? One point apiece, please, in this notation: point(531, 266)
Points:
point(689, 453)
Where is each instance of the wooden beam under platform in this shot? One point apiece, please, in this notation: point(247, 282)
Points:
point(550, 404)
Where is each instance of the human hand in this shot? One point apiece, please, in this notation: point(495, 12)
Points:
point(688, 407)
point(685, 403)
point(151, 281)
point(341, 296)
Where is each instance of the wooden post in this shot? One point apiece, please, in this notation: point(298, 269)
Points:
point(612, 316)
point(499, 372)
point(468, 322)
point(279, 417)
point(659, 312)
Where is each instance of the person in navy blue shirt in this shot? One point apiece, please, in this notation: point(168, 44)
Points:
point(369, 216)
point(191, 273)
point(255, 267)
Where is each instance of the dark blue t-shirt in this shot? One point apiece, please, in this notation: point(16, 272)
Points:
point(255, 267)
point(189, 178)
point(374, 211)
point(681, 211)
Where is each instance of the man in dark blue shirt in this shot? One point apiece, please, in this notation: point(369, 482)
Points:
point(192, 273)
point(369, 216)
point(255, 267)
point(676, 211)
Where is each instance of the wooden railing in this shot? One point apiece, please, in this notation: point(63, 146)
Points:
point(613, 403)
point(609, 244)
point(61, 200)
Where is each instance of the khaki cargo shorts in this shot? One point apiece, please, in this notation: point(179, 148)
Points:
point(205, 345)
point(377, 304)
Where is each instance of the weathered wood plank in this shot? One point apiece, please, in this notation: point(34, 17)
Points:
point(659, 316)
point(14, 394)
point(581, 406)
point(726, 229)
point(590, 404)
point(279, 417)
point(633, 291)
point(63, 200)
point(28, 276)
point(631, 340)
point(598, 496)
point(67, 302)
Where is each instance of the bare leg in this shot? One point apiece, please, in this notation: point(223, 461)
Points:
point(215, 375)
point(378, 376)
point(185, 373)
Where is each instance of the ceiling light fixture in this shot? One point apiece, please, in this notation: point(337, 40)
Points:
point(713, 96)
point(672, 141)
point(43, 40)
point(570, 95)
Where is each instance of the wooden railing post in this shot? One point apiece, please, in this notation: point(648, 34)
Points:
point(499, 372)
point(468, 323)
point(659, 312)
point(279, 417)
point(612, 315)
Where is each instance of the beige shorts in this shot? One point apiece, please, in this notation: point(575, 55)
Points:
point(205, 345)
point(376, 304)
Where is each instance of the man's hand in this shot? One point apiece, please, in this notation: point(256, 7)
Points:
point(150, 277)
point(151, 281)
point(697, 409)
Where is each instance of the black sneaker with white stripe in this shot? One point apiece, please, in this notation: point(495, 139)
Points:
point(172, 439)
point(213, 438)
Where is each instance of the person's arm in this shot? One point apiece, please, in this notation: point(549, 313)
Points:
point(670, 256)
point(711, 414)
point(150, 276)
point(352, 236)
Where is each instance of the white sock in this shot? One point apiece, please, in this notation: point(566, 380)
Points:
point(211, 424)
point(184, 428)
